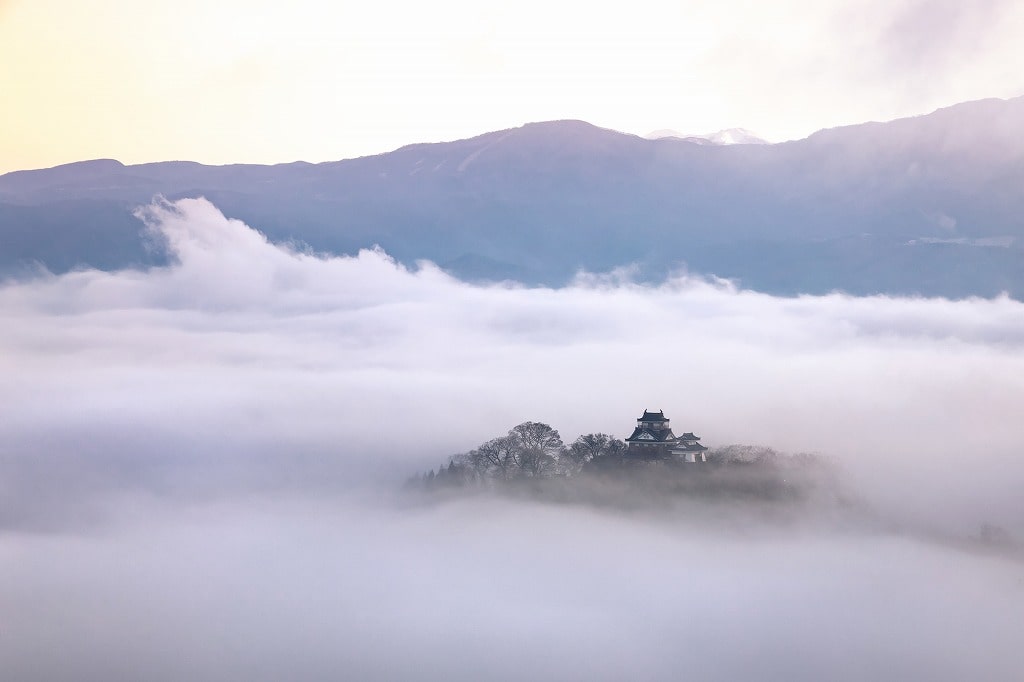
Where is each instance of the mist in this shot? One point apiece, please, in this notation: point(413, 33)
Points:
point(200, 464)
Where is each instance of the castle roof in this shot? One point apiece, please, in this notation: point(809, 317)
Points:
point(688, 447)
point(644, 435)
point(658, 416)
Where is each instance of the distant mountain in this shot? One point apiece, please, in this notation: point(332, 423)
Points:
point(722, 137)
point(929, 205)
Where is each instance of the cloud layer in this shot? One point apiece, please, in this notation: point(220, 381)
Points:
point(487, 590)
point(198, 443)
point(358, 369)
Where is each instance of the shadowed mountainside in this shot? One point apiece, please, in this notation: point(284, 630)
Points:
point(926, 205)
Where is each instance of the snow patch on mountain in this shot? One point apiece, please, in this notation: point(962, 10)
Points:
point(473, 157)
point(1003, 241)
point(721, 137)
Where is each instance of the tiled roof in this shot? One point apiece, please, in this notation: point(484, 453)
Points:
point(653, 428)
point(688, 447)
point(656, 435)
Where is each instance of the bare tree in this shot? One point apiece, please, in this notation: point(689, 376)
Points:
point(540, 448)
point(529, 449)
point(593, 446)
point(499, 455)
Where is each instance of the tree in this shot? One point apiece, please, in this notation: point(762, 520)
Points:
point(498, 455)
point(529, 449)
point(592, 446)
point(540, 448)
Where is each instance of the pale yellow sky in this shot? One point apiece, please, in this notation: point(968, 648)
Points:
point(221, 81)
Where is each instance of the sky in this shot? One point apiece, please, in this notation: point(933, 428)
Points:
point(256, 81)
point(200, 467)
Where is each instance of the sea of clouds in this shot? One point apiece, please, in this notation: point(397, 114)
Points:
point(199, 466)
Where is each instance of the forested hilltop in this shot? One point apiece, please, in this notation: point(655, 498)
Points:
point(532, 460)
point(738, 488)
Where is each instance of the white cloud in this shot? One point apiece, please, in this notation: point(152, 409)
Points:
point(244, 349)
point(485, 589)
point(251, 390)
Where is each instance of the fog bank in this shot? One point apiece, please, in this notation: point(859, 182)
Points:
point(245, 366)
point(486, 589)
point(197, 465)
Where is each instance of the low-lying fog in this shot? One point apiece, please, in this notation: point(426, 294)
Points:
point(199, 469)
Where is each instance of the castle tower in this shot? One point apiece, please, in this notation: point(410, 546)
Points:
point(651, 435)
point(653, 439)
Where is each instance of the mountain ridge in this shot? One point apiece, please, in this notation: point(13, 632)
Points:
point(960, 106)
point(921, 205)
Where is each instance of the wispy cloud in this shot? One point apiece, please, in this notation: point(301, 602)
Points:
point(924, 35)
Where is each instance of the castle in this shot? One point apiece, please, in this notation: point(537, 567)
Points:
point(653, 439)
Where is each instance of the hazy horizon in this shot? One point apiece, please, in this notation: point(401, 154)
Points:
point(651, 134)
point(262, 83)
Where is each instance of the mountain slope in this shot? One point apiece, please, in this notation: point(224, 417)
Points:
point(909, 206)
